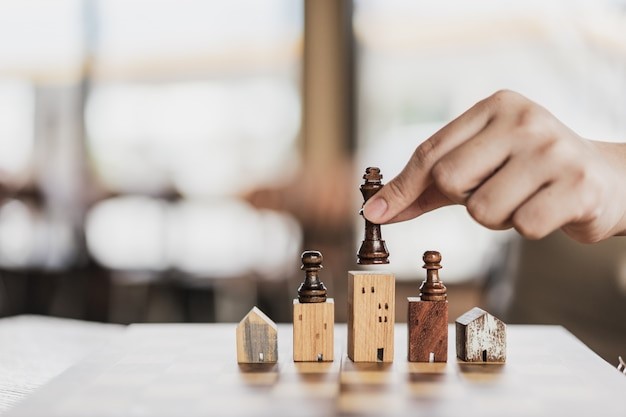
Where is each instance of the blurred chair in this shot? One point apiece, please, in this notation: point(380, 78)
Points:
point(559, 281)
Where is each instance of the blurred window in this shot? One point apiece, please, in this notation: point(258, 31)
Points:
point(208, 137)
point(202, 97)
point(16, 132)
point(41, 40)
point(42, 54)
point(201, 100)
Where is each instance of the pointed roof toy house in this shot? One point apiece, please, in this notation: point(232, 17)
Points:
point(257, 338)
point(480, 337)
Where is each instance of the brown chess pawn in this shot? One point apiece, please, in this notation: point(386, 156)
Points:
point(373, 249)
point(428, 316)
point(432, 289)
point(313, 315)
point(312, 290)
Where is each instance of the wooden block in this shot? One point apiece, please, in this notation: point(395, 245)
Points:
point(480, 337)
point(371, 316)
point(428, 330)
point(313, 331)
point(257, 338)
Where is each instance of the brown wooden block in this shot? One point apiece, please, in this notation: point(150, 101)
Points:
point(480, 337)
point(313, 331)
point(257, 338)
point(371, 316)
point(428, 330)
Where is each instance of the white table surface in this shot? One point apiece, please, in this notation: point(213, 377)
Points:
point(191, 370)
point(35, 349)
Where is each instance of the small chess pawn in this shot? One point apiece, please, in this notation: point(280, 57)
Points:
point(428, 316)
point(432, 289)
point(373, 249)
point(312, 290)
point(313, 315)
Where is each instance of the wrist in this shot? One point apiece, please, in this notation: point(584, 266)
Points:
point(615, 156)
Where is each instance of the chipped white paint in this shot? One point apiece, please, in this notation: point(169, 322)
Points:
point(481, 337)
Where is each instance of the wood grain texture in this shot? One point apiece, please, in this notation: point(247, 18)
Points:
point(257, 338)
point(427, 330)
point(480, 337)
point(313, 331)
point(371, 316)
point(161, 369)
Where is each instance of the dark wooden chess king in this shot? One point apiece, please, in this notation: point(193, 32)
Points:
point(373, 249)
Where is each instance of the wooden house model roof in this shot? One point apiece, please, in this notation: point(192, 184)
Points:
point(472, 315)
point(257, 316)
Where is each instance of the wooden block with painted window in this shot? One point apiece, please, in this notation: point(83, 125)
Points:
point(313, 314)
point(371, 316)
point(313, 331)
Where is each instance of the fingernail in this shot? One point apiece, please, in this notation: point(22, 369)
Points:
point(375, 208)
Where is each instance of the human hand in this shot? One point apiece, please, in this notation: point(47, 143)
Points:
point(512, 164)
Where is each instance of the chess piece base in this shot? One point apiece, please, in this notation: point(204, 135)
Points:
point(373, 252)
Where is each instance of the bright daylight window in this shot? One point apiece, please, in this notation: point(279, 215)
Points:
point(200, 101)
point(423, 63)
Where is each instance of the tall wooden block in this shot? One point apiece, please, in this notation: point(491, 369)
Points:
point(480, 337)
point(313, 331)
point(257, 338)
point(428, 316)
point(428, 330)
point(371, 316)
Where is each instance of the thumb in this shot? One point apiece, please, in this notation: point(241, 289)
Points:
point(402, 191)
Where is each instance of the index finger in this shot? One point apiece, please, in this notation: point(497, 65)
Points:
point(403, 190)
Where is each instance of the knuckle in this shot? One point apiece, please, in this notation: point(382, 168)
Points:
point(583, 233)
point(589, 207)
point(447, 180)
point(502, 98)
point(529, 119)
point(423, 153)
point(586, 202)
point(397, 190)
point(505, 95)
point(591, 237)
point(476, 207)
point(531, 233)
point(528, 228)
point(550, 149)
point(485, 213)
point(534, 124)
point(590, 191)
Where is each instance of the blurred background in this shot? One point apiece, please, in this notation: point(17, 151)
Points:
point(169, 160)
